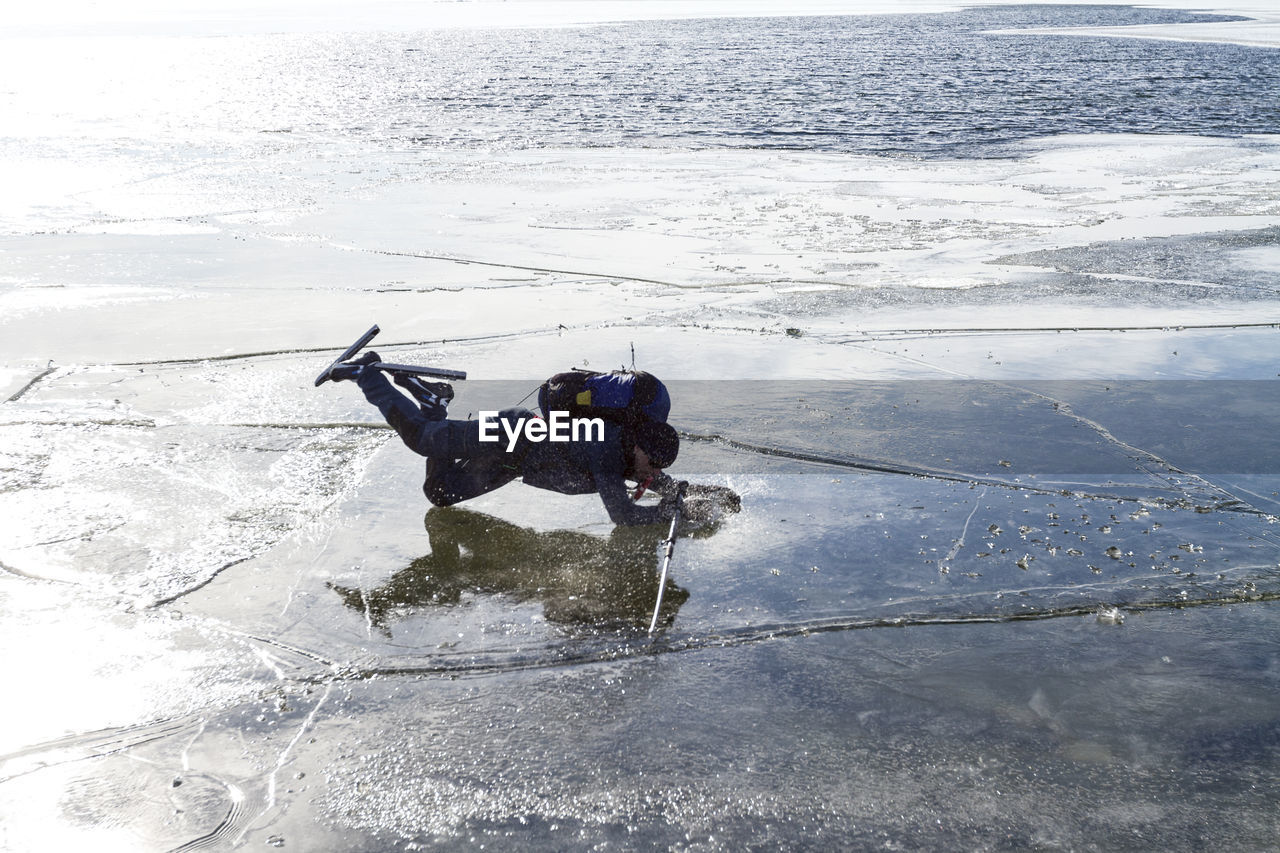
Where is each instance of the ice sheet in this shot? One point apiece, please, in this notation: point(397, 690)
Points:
point(1005, 433)
point(728, 238)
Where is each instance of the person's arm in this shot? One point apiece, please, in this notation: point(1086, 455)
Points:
point(624, 511)
point(664, 484)
point(605, 462)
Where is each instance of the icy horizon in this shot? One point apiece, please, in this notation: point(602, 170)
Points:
point(242, 17)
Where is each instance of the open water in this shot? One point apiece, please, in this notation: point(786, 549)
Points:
point(917, 85)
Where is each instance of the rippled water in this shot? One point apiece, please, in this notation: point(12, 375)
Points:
point(912, 84)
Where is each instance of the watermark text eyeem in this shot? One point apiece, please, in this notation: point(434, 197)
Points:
point(558, 426)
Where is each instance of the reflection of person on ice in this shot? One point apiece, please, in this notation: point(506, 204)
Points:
point(579, 578)
point(461, 465)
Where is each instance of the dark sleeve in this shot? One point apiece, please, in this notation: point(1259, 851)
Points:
point(607, 470)
point(622, 510)
point(398, 410)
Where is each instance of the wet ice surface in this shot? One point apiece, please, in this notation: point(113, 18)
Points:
point(951, 613)
point(1004, 430)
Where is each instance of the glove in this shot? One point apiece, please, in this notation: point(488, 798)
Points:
point(728, 498)
point(725, 497)
point(352, 369)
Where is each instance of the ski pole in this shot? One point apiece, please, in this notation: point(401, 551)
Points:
point(671, 547)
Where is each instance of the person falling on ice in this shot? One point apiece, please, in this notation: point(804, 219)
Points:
point(461, 466)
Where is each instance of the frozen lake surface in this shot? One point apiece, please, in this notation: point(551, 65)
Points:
point(990, 356)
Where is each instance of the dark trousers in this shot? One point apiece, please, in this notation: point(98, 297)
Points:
point(451, 481)
point(460, 466)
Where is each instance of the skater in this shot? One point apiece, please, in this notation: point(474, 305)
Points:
point(462, 465)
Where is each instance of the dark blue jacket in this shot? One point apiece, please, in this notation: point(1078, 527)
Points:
point(583, 467)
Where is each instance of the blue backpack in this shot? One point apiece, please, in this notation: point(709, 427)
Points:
point(627, 397)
